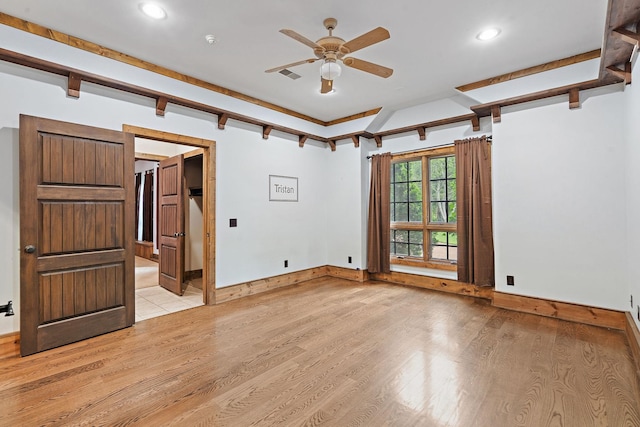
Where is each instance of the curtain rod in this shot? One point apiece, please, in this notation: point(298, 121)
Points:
point(433, 146)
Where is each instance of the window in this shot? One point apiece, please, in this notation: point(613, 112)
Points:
point(423, 209)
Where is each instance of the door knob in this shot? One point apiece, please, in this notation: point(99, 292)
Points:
point(179, 234)
point(29, 249)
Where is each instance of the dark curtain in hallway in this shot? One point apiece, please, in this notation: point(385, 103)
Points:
point(147, 207)
point(138, 185)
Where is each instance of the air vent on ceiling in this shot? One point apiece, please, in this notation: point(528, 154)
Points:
point(289, 74)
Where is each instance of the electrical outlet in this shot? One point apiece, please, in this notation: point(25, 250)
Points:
point(349, 260)
point(510, 281)
point(286, 263)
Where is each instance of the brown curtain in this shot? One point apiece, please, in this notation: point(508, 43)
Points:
point(147, 208)
point(138, 184)
point(379, 233)
point(475, 229)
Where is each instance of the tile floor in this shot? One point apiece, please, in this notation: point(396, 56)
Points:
point(156, 301)
point(153, 300)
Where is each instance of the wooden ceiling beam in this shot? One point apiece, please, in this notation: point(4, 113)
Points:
point(266, 130)
point(626, 36)
point(301, 140)
point(574, 98)
point(73, 85)
point(496, 114)
point(356, 140)
point(624, 74)
point(422, 133)
point(222, 120)
point(161, 105)
point(378, 139)
point(475, 123)
point(332, 144)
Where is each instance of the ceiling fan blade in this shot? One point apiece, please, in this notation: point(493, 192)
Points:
point(293, 64)
point(367, 39)
point(368, 67)
point(327, 85)
point(302, 39)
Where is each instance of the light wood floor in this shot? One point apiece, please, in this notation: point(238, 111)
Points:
point(332, 352)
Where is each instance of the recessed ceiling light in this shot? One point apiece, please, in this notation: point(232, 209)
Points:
point(152, 10)
point(488, 34)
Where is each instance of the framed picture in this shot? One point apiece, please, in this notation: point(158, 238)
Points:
point(283, 188)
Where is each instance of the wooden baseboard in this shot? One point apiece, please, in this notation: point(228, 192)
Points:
point(561, 310)
point(633, 336)
point(434, 283)
point(10, 345)
point(347, 273)
point(253, 287)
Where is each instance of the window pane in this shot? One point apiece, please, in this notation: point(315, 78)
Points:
point(401, 194)
point(438, 252)
point(415, 237)
point(438, 190)
point(453, 214)
point(415, 170)
point(438, 237)
point(453, 239)
point(393, 212)
point(402, 211)
point(451, 166)
point(439, 212)
point(437, 168)
point(400, 172)
point(415, 212)
point(415, 250)
point(402, 249)
point(401, 236)
point(415, 191)
point(453, 253)
point(451, 189)
point(392, 195)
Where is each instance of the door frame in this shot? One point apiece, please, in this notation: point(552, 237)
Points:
point(208, 147)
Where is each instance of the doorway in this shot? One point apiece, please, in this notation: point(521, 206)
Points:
point(199, 218)
point(152, 299)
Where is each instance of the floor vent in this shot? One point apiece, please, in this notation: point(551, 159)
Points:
point(289, 74)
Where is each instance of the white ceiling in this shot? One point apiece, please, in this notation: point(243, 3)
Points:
point(432, 48)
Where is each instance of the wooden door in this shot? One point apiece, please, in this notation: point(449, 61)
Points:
point(76, 232)
point(171, 233)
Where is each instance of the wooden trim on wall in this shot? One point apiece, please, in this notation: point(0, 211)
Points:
point(353, 117)
point(348, 273)
point(258, 286)
point(561, 310)
point(633, 336)
point(207, 148)
point(149, 156)
point(434, 283)
point(531, 70)
point(9, 345)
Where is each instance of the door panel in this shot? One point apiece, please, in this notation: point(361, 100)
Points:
point(171, 234)
point(76, 230)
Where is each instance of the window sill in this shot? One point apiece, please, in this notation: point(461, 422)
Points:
point(413, 262)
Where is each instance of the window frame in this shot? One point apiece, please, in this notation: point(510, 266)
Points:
point(425, 226)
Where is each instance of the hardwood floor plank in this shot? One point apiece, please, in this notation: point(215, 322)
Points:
point(333, 352)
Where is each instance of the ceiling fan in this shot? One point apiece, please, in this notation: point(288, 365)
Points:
point(331, 49)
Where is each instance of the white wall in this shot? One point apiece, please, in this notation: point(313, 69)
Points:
point(193, 221)
point(559, 201)
point(268, 233)
point(631, 108)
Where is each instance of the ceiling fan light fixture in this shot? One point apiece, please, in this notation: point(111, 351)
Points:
point(330, 69)
point(488, 34)
point(152, 10)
